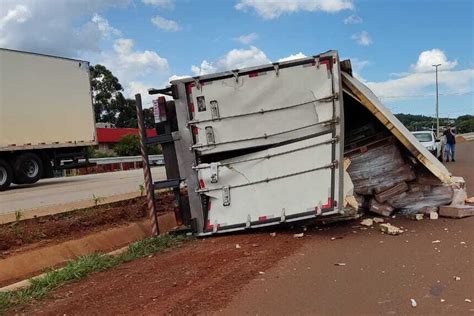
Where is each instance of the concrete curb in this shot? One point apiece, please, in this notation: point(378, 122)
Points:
point(26, 283)
point(37, 260)
point(27, 263)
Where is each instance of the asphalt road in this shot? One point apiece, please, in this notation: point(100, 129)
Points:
point(50, 192)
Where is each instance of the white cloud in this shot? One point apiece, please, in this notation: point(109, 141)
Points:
point(18, 14)
point(293, 56)
point(177, 77)
point(421, 82)
point(104, 26)
point(159, 3)
point(271, 9)
point(357, 66)
point(137, 70)
point(353, 19)
point(130, 64)
point(55, 27)
point(234, 59)
point(247, 39)
point(428, 58)
point(362, 38)
point(165, 24)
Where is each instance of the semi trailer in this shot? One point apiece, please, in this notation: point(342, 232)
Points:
point(294, 141)
point(46, 116)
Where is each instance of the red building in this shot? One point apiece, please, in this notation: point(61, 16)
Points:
point(108, 137)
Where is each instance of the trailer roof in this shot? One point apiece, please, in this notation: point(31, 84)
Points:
point(45, 55)
point(231, 73)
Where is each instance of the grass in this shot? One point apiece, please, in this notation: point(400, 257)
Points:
point(83, 266)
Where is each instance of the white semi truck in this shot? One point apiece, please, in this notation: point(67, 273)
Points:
point(46, 115)
point(272, 144)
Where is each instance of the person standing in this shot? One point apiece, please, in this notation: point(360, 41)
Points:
point(450, 147)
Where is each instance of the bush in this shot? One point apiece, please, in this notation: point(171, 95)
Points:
point(129, 145)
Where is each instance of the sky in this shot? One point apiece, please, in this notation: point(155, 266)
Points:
point(145, 43)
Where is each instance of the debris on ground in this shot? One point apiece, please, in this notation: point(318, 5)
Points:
point(367, 222)
point(340, 264)
point(237, 246)
point(456, 278)
point(436, 241)
point(378, 220)
point(469, 201)
point(467, 300)
point(300, 235)
point(390, 229)
point(273, 234)
point(415, 216)
point(458, 211)
point(433, 215)
point(413, 302)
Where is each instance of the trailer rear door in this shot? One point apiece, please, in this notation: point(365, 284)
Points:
point(285, 120)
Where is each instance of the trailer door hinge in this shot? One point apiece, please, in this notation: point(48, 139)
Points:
point(214, 172)
point(276, 66)
point(235, 72)
point(226, 196)
point(210, 135)
point(215, 110)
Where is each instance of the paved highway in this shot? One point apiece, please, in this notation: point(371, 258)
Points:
point(62, 191)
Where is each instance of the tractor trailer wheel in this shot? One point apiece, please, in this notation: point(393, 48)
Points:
point(6, 175)
point(27, 168)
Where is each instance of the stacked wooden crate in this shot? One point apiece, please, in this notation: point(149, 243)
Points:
point(387, 180)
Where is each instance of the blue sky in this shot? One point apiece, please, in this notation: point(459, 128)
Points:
point(146, 42)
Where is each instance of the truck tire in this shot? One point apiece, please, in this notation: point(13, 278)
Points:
point(6, 175)
point(27, 168)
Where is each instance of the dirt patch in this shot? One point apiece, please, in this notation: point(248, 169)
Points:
point(199, 277)
point(37, 232)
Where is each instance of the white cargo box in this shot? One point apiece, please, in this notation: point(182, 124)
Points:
point(45, 102)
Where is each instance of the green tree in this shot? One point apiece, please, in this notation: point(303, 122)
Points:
point(129, 145)
point(107, 94)
point(465, 124)
point(127, 115)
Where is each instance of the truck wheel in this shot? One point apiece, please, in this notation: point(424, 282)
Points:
point(27, 168)
point(6, 175)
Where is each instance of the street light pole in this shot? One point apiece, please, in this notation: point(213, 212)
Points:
point(437, 104)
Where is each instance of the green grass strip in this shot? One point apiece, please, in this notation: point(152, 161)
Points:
point(83, 266)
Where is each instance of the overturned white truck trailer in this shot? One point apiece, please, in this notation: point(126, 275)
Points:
point(270, 144)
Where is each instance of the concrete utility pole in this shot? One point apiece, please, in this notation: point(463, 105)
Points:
point(437, 104)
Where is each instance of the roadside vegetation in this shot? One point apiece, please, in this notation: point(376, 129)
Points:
point(82, 267)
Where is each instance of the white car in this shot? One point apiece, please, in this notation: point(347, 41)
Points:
point(429, 140)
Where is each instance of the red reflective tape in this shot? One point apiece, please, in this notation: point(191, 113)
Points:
point(326, 62)
point(329, 204)
point(191, 107)
point(262, 218)
point(202, 185)
point(189, 88)
point(209, 226)
point(253, 74)
point(195, 130)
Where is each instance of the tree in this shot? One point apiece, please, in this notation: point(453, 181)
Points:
point(127, 115)
point(129, 145)
point(107, 94)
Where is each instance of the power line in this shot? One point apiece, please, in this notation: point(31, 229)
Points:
point(423, 95)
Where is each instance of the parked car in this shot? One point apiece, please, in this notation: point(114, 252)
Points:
point(429, 140)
